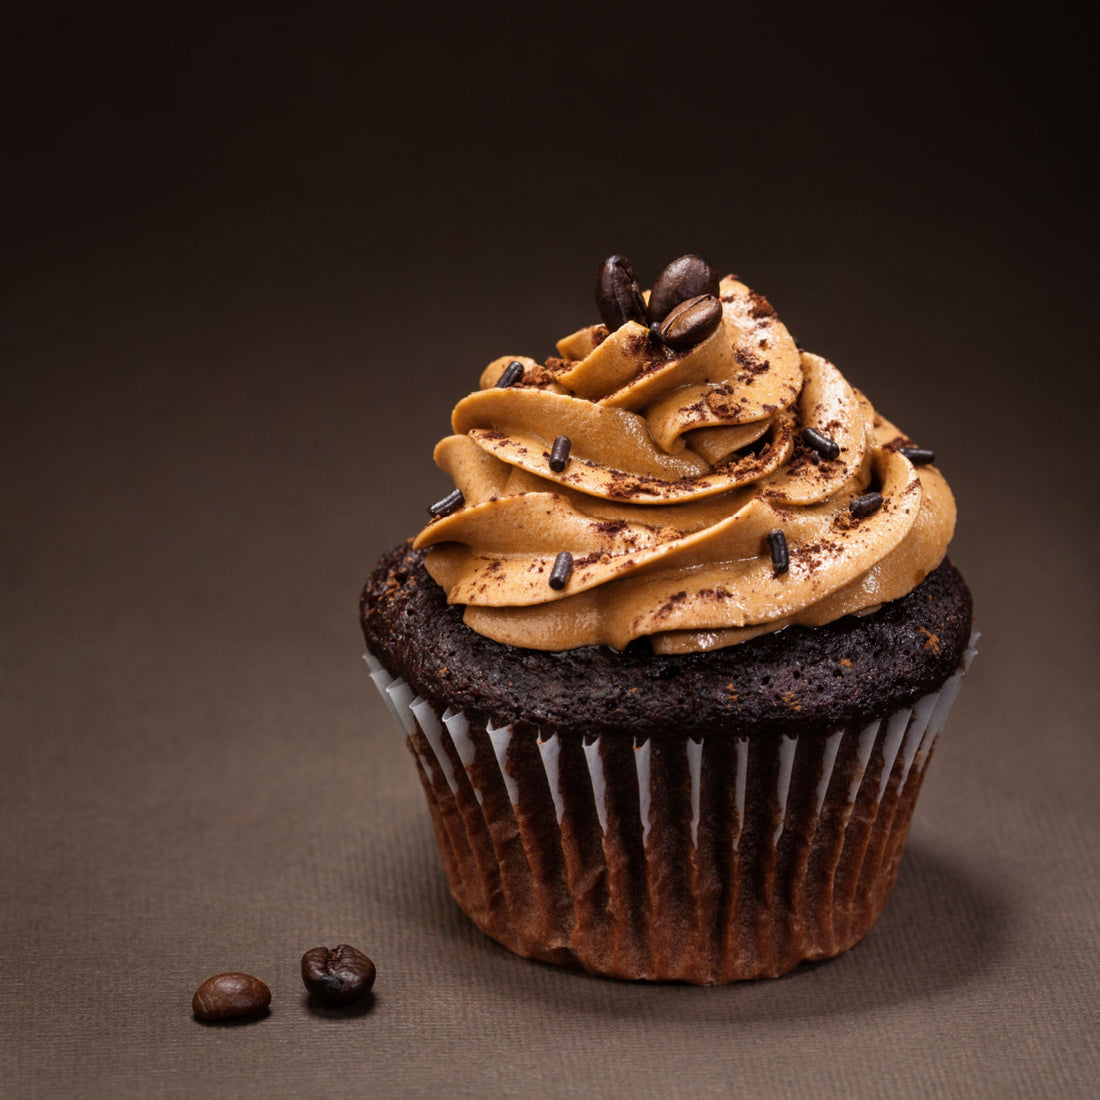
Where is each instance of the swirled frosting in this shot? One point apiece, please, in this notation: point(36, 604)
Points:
point(681, 463)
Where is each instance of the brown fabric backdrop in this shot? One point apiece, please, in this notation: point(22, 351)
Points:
point(248, 266)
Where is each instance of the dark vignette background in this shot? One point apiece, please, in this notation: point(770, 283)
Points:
point(249, 261)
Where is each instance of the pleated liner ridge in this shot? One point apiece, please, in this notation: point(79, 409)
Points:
point(698, 861)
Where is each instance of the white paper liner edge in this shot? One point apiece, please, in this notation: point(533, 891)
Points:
point(642, 754)
point(549, 751)
point(920, 725)
point(501, 737)
point(866, 744)
point(832, 744)
point(742, 748)
point(787, 748)
point(432, 729)
point(695, 771)
point(599, 787)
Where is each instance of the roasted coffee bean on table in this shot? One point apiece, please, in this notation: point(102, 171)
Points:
point(337, 976)
point(230, 996)
point(618, 294)
point(684, 278)
point(691, 322)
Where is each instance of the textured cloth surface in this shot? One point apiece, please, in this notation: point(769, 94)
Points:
point(248, 281)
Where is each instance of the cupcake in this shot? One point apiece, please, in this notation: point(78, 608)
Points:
point(673, 656)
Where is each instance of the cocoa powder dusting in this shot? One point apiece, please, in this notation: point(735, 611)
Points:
point(722, 402)
point(670, 605)
point(752, 366)
point(610, 527)
point(810, 556)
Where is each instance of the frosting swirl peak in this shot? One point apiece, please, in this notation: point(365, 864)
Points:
point(681, 461)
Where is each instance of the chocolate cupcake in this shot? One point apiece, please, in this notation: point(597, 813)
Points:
point(673, 656)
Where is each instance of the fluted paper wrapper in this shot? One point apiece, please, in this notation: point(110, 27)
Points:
point(704, 861)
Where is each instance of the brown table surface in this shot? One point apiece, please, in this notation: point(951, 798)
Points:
point(248, 270)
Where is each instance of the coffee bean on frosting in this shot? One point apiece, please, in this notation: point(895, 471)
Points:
point(691, 322)
point(559, 453)
point(684, 278)
point(618, 293)
point(826, 447)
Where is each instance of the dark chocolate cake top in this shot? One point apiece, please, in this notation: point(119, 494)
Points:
point(800, 680)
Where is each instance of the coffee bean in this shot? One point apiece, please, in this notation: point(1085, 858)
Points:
point(338, 976)
point(229, 996)
point(618, 295)
point(691, 322)
point(685, 278)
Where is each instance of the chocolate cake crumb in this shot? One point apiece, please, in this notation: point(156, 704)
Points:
point(762, 309)
point(610, 527)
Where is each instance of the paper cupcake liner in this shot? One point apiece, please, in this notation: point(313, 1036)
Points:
point(705, 861)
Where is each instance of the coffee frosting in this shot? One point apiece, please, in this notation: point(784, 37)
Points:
point(680, 465)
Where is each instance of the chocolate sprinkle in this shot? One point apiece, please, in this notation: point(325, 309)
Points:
point(826, 447)
point(865, 505)
point(512, 374)
point(919, 456)
point(559, 453)
point(563, 566)
point(777, 543)
point(450, 503)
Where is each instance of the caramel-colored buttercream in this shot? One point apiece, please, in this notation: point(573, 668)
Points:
point(680, 465)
